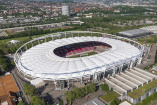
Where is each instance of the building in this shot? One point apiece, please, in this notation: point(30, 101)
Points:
point(134, 33)
point(8, 88)
point(66, 10)
point(152, 29)
point(51, 60)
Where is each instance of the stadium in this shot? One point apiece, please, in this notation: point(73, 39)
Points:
point(76, 56)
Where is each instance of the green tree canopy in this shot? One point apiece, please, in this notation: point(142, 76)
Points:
point(35, 100)
point(29, 89)
point(104, 87)
point(5, 66)
point(21, 103)
point(12, 62)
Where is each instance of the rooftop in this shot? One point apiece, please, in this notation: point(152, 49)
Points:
point(110, 96)
point(134, 32)
point(7, 84)
point(142, 90)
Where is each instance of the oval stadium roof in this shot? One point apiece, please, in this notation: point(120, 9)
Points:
point(40, 61)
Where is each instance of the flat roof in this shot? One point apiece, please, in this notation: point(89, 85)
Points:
point(125, 103)
point(134, 32)
point(142, 90)
point(7, 84)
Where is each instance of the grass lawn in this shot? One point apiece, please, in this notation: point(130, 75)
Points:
point(20, 38)
point(151, 39)
point(141, 90)
point(76, 56)
point(110, 96)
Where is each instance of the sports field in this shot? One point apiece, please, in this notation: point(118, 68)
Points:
point(83, 55)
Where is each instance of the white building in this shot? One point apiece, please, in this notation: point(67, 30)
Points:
point(66, 10)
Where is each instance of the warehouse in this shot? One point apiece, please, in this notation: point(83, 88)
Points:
point(134, 33)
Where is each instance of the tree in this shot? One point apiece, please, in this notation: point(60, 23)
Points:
point(104, 87)
point(29, 89)
point(5, 66)
point(12, 62)
point(6, 50)
point(35, 100)
point(77, 93)
point(21, 103)
point(70, 96)
point(92, 87)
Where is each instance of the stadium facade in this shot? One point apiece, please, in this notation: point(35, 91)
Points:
point(44, 57)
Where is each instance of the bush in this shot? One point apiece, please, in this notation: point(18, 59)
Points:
point(104, 87)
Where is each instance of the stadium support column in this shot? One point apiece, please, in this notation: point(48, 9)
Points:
point(26, 47)
point(81, 80)
point(58, 35)
point(65, 34)
point(85, 34)
point(134, 43)
point(140, 60)
point(32, 44)
point(131, 63)
point(55, 84)
point(93, 77)
point(114, 70)
point(121, 67)
point(45, 39)
point(68, 84)
point(104, 75)
point(38, 41)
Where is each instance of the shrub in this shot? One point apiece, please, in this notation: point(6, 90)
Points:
point(115, 102)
